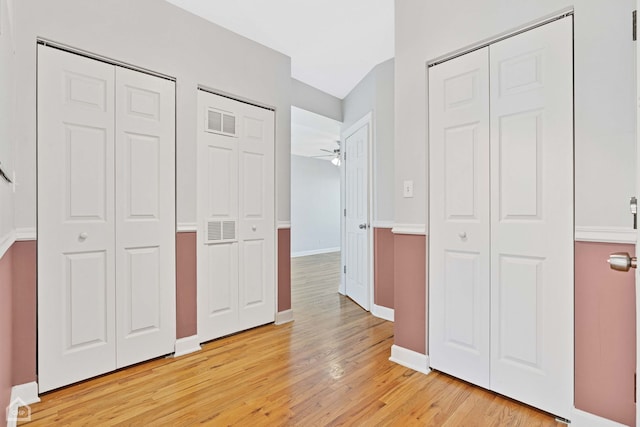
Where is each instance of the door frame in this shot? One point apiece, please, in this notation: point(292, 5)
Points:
point(637, 232)
point(367, 119)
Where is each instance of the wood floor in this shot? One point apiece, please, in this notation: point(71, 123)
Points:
point(329, 367)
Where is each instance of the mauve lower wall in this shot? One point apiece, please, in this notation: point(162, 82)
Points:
point(605, 334)
point(186, 285)
point(24, 312)
point(6, 368)
point(410, 299)
point(383, 270)
point(284, 269)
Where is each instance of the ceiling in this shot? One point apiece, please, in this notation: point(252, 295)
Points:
point(333, 44)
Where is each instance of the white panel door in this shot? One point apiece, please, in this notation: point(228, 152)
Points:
point(532, 217)
point(256, 138)
point(145, 216)
point(236, 211)
point(217, 204)
point(357, 218)
point(76, 227)
point(459, 214)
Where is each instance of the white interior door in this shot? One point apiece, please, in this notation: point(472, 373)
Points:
point(236, 210)
point(76, 224)
point(356, 146)
point(459, 255)
point(145, 216)
point(532, 217)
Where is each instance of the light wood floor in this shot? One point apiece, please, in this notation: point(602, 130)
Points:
point(329, 367)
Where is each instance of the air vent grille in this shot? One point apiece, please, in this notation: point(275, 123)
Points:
point(220, 231)
point(221, 122)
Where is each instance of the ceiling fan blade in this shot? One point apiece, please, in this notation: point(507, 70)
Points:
point(324, 155)
point(327, 151)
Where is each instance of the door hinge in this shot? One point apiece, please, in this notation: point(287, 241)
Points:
point(345, 269)
point(345, 213)
point(634, 29)
point(344, 153)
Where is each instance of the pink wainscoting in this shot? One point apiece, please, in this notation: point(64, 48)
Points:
point(186, 285)
point(605, 334)
point(383, 270)
point(6, 330)
point(410, 254)
point(284, 269)
point(24, 312)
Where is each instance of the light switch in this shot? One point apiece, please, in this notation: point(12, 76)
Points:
point(407, 189)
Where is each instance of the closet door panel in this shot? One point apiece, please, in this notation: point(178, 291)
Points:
point(459, 217)
point(76, 226)
point(257, 216)
point(532, 217)
point(145, 215)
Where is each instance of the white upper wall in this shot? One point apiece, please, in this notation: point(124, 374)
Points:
point(160, 37)
point(315, 206)
point(375, 93)
point(604, 94)
point(7, 108)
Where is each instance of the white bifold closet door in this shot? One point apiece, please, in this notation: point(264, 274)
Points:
point(501, 217)
point(106, 217)
point(236, 215)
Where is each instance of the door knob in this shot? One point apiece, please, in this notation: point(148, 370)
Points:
point(362, 226)
point(462, 235)
point(621, 261)
point(83, 236)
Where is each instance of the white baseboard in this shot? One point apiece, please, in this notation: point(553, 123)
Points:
point(606, 235)
point(585, 419)
point(283, 317)
point(410, 359)
point(187, 345)
point(314, 252)
point(382, 312)
point(22, 395)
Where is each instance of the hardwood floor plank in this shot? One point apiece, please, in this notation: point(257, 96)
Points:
point(328, 367)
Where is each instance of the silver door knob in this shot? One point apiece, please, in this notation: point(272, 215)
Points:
point(621, 261)
point(362, 226)
point(462, 235)
point(83, 236)
point(254, 228)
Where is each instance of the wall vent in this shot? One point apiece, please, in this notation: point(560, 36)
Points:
point(221, 122)
point(220, 231)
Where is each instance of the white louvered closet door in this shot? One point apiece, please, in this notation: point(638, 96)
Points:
point(236, 203)
point(501, 217)
point(106, 217)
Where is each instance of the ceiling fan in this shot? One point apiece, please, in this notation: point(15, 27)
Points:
point(335, 153)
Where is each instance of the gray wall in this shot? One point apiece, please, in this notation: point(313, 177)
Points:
point(311, 99)
point(375, 93)
point(7, 108)
point(161, 37)
point(604, 94)
point(315, 206)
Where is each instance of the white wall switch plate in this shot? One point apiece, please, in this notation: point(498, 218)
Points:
point(407, 189)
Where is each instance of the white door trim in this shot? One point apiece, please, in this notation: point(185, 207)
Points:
point(367, 119)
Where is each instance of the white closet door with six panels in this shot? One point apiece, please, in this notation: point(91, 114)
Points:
point(236, 238)
point(501, 289)
point(106, 217)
